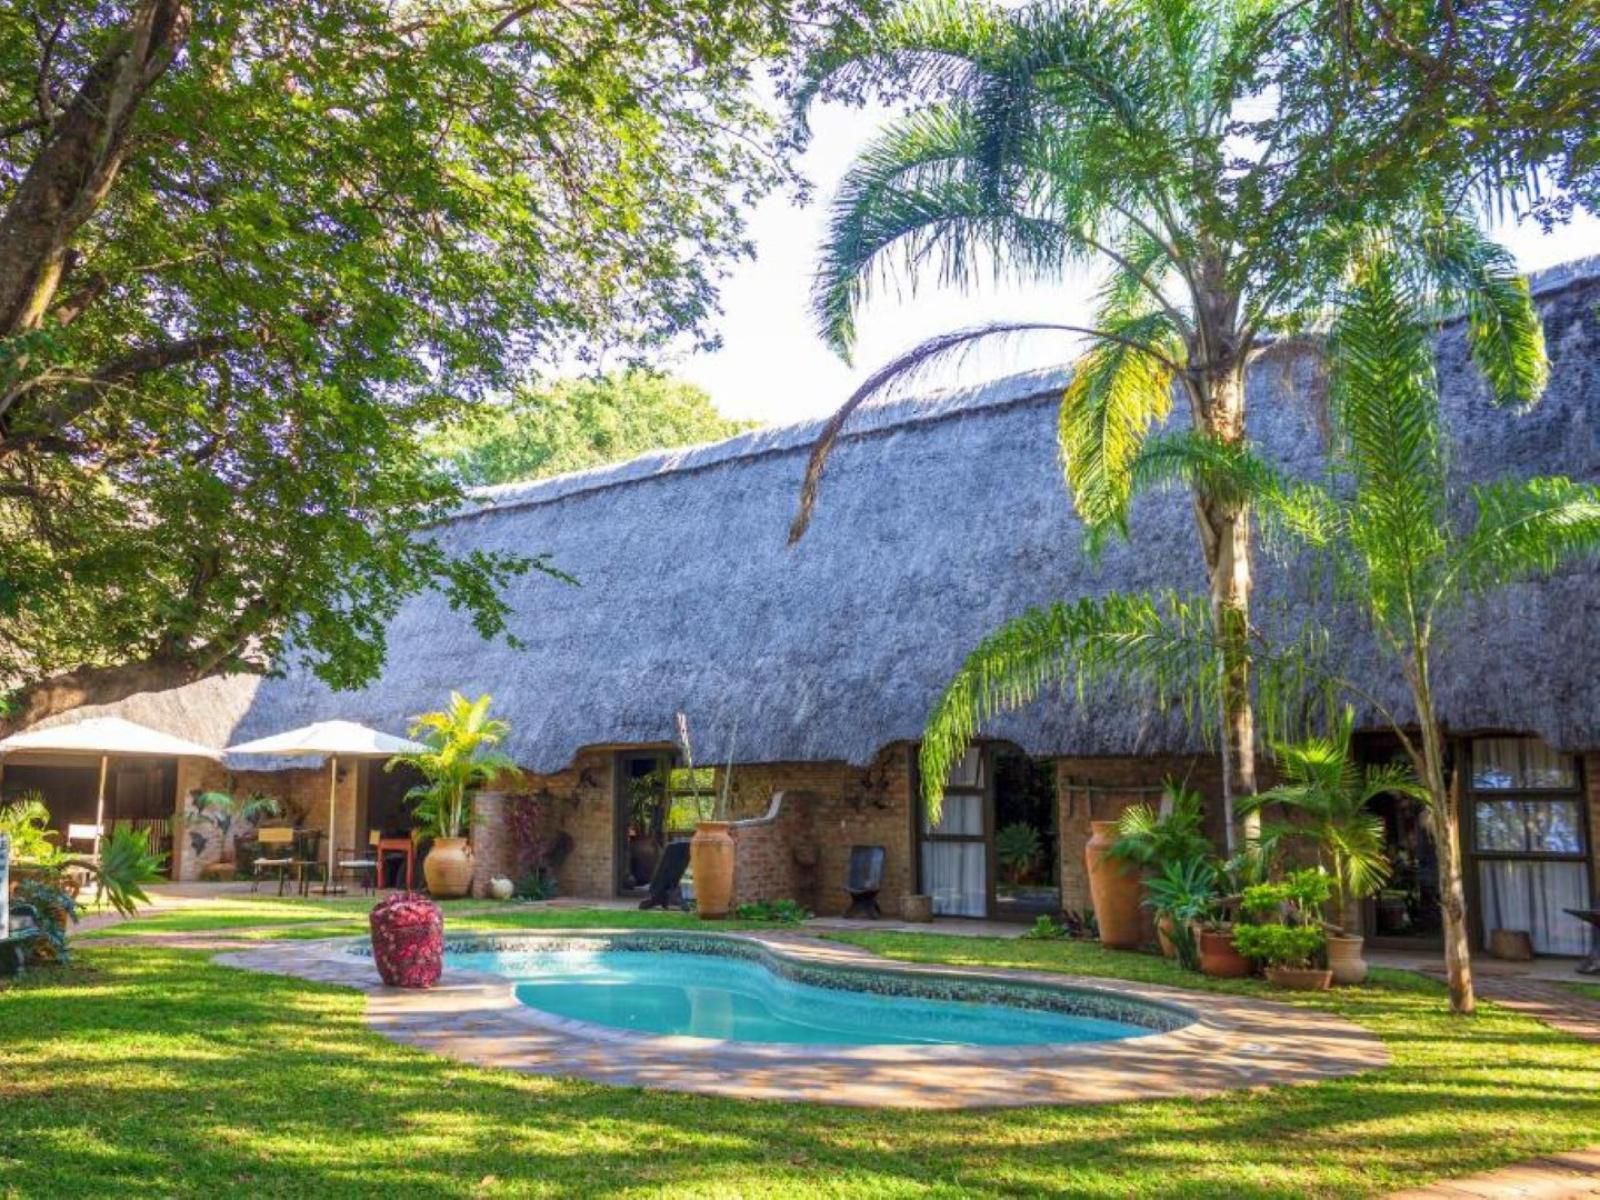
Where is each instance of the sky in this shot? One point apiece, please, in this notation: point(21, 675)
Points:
point(774, 368)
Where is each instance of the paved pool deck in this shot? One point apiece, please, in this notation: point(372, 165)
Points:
point(474, 1017)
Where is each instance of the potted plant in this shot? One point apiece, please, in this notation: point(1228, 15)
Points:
point(1016, 849)
point(711, 850)
point(1181, 896)
point(1219, 957)
point(1288, 946)
point(1330, 793)
point(459, 756)
point(1287, 952)
point(1142, 840)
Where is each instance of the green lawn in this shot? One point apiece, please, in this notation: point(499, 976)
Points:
point(150, 1071)
point(1591, 990)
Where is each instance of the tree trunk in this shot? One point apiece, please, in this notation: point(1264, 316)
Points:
point(93, 685)
point(1446, 799)
point(81, 154)
point(1225, 539)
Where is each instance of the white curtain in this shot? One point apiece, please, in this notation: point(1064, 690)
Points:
point(953, 873)
point(1519, 763)
point(1531, 896)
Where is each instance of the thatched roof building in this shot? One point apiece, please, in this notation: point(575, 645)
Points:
point(940, 517)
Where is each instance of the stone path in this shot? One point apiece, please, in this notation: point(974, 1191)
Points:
point(1559, 1007)
point(1233, 1042)
point(1554, 1177)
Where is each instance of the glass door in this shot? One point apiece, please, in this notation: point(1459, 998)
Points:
point(1530, 843)
point(955, 850)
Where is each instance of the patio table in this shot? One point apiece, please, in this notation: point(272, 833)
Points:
point(1590, 965)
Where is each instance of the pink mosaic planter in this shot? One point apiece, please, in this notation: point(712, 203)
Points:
point(408, 941)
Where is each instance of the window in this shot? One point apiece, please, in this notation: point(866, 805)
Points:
point(1530, 842)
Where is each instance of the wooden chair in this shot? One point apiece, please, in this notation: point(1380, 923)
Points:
point(864, 881)
point(277, 854)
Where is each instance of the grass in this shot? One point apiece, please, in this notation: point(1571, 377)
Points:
point(1591, 990)
point(269, 918)
point(144, 1070)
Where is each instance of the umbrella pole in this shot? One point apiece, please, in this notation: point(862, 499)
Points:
point(99, 823)
point(333, 823)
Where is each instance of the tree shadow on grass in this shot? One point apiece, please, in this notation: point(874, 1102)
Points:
point(151, 1071)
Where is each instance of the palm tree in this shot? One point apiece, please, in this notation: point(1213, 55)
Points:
point(459, 756)
point(1119, 133)
point(1324, 784)
point(1405, 554)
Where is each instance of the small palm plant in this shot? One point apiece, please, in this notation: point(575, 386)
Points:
point(1184, 892)
point(1017, 848)
point(1331, 792)
point(459, 757)
point(1148, 837)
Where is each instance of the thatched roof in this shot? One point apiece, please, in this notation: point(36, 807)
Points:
point(939, 518)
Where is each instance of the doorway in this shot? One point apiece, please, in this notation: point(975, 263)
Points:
point(993, 851)
point(642, 806)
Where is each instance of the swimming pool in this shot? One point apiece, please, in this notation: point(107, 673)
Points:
point(667, 985)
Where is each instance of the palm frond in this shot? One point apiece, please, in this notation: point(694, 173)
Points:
point(1164, 647)
point(1472, 273)
point(1290, 509)
point(1526, 528)
point(920, 194)
point(1386, 408)
point(1118, 393)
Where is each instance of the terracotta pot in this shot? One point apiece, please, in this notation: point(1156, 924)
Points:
point(916, 906)
point(448, 868)
point(711, 860)
point(1164, 936)
point(1300, 979)
point(1219, 959)
point(1345, 961)
point(1114, 888)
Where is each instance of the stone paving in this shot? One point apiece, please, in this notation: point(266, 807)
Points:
point(1233, 1043)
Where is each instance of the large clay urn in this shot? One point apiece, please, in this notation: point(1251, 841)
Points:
point(711, 860)
point(448, 868)
point(1114, 888)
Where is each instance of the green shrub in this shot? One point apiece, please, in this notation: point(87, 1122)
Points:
point(1279, 945)
point(1046, 929)
point(785, 912)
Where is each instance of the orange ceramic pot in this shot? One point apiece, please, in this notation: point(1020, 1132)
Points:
point(1114, 888)
point(448, 868)
point(711, 859)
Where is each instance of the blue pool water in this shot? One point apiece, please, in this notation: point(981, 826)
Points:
point(700, 995)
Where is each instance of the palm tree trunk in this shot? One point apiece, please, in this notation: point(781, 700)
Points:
point(1446, 805)
point(1225, 540)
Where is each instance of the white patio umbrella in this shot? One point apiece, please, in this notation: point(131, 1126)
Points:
point(107, 737)
point(335, 739)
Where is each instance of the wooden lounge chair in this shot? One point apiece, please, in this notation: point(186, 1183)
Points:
point(666, 883)
point(865, 881)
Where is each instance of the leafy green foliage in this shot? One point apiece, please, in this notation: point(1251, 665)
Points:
point(1045, 928)
point(1184, 892)
point(1175, 834)
point(459, 756)
point(252, 255)
point(1279, 945)
point(26, 822)
point(575, 424)
point(1017, 848)
point(1331, 792)
point(779, 912)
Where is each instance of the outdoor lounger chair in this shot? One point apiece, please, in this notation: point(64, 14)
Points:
point(665, 889)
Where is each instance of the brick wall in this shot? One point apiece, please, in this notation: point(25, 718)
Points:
point(196, 844)
point(1099, 789)
point(494, 850)
point(775, 854)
